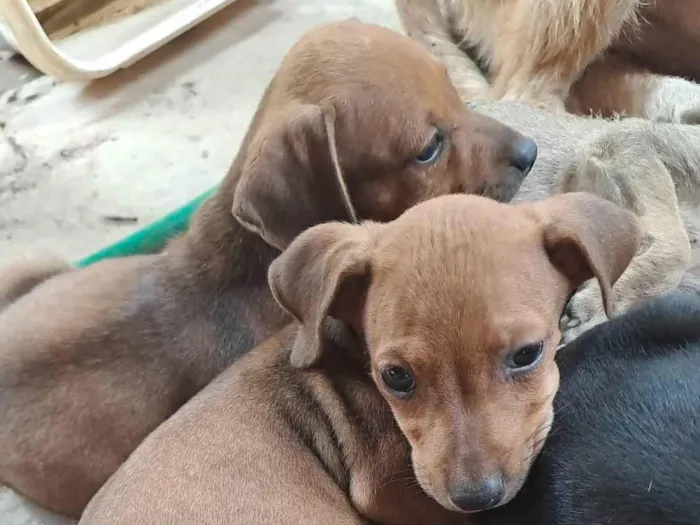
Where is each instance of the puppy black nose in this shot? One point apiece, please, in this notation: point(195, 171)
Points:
point(524, 154)
point(472, 498)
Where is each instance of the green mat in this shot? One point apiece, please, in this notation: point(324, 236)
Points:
point(151, 238)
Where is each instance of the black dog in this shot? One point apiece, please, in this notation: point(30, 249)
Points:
point(625, 445)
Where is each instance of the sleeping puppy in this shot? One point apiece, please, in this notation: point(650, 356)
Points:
point(624, 444)
point(91, 361)
point(587, 55)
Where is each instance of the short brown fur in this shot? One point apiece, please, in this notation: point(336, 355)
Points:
point(304, 430)
point(650, 168)
point(92, 360)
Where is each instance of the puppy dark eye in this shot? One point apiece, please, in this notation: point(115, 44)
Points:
point(525, 357)
point(399, 379)
point(432, 151)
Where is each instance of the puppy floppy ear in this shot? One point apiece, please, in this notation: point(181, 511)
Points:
point(291, 178)
point(323, 272)
point(586, 236)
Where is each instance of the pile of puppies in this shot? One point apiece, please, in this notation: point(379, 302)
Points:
point(343, 336)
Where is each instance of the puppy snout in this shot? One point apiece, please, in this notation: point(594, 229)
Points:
point(473, 497)
point(523, 154)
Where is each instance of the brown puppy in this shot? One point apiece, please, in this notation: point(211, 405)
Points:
point(590, 55)
point(650, 168)
point(24, 274)
point(435, 372)
point(352, 126)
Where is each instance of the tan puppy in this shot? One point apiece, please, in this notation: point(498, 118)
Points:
point(91, 361)
point(587, 54)
point(434, 376)
point(650, 168)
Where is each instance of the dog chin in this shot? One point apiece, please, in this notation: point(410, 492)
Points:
point(513, 489)
point(427, 487)
point(503, 191)
point(451, 507)
point(444, 501)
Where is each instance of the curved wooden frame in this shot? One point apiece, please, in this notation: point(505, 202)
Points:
point(29, 38)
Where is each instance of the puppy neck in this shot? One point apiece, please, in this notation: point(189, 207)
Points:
point(219, 249)
point(372, 463)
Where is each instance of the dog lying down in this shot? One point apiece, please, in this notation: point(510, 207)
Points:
point(587, 55)
point(92, 360)
point(624, 444)
point(535, 51)
point(417, 382)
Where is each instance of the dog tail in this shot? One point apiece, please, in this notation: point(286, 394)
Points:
point(24, 274)
point(427, 21)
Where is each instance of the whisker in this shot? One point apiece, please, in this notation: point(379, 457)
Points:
point(545, 427)
point(561, 409)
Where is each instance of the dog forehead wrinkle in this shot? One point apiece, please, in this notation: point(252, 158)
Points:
point(449, 258)
point(468, 326)
point(441, 252)
point(441, 325)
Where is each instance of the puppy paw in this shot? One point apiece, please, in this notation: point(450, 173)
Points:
point(583, 312)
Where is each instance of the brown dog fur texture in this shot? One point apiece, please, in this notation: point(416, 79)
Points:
point(305, 430)
point(92, 360)
point(24, 274)
point(650, 168)
point(588, 55)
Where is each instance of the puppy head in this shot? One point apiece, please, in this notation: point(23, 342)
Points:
point(362, 122)
point(459, 301)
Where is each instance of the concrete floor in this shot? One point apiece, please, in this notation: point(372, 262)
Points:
point(143, 141)
point(148, 138)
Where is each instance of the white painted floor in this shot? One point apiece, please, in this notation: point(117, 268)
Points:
point(143, 141)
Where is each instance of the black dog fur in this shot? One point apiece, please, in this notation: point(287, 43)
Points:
point(625, 445)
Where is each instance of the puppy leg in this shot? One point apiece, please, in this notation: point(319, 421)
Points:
point(543, 46)
point(426, 21)
point(614, 85)
point(623, 166)
point(24, 274)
